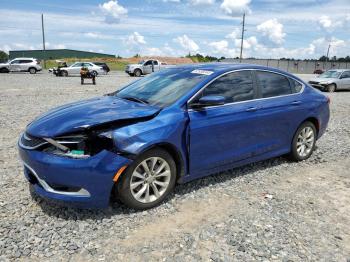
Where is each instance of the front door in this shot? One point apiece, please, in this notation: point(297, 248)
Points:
point(221, 135)
point(148, 67)
point(345, 80)
point(15, 65)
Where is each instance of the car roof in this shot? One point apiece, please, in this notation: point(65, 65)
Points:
point(222, 67)
point(24, 58)
point(339, 70)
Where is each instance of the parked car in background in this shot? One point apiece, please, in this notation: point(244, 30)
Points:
point(318, 71)
point(170, 127)
point(103, 65)
point(22, 64)
point(146, 67)
point(74, 69)
point(332, 80)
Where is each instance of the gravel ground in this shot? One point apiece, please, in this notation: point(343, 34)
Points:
point(273, 210)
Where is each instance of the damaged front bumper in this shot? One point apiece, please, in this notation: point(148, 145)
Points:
point(85, 183)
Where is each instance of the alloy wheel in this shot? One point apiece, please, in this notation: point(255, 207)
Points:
point(305, 141)
point(150, 179)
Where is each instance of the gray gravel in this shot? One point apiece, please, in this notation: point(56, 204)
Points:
point(274, 210)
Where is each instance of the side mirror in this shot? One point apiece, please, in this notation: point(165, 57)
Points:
point(209, 101)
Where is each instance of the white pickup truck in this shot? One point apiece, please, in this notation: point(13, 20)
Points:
point(145, 67)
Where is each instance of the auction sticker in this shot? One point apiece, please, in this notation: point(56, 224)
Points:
point(202, 72)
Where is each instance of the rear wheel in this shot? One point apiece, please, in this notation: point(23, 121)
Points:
point(32, 70)
point(303, 142)
point(331, 88)
point(64, 73)
point(148, 180)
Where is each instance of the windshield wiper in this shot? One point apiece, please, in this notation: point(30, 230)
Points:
point(135, 99)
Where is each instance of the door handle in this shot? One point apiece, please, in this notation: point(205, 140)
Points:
point(295, 103)
point(251, 109)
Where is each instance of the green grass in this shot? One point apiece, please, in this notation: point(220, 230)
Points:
point(113, 65)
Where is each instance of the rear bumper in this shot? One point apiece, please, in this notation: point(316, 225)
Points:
point(85, 183)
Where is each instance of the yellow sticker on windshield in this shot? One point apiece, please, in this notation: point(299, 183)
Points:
point(202, 72)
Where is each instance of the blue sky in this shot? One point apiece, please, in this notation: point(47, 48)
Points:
point(275, 28)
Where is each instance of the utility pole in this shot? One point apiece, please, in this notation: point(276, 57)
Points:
point(329, 46)
point(243, 24)
point(43, 31)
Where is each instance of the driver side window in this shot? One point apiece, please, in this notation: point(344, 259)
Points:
point(234, 87)
point(149, 62)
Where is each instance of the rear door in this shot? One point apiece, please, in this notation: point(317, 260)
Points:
point(221, 135)
point(25, 64)
point(281, 108)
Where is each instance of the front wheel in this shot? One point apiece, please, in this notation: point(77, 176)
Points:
point(137, 73)
point(303, 142)
point(331, 88)
point(147, 181)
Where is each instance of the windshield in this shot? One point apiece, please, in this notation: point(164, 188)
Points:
point(141, 62)
point(330, 74)
point(162, 88)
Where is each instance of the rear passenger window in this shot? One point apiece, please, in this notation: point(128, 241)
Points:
point(297, 86)
point(235, 87)
point(272, 84)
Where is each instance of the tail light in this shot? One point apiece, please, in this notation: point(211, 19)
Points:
point(37, 62)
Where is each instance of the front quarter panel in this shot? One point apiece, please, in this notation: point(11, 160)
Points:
point(169, 127)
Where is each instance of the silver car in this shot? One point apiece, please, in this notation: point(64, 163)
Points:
point(74, 69)
point(332, 80)
point(21, 64)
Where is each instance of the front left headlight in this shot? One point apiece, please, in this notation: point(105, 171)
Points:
point(80, 146)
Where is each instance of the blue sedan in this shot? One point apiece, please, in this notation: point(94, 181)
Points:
point(171, 127)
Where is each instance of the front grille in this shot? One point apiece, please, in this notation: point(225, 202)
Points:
point(31, 142)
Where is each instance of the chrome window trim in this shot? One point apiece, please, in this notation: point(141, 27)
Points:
point(81, 193)
point(240, 102)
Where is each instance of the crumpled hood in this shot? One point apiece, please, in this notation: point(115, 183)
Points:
point(323, 80)
point(82, 114)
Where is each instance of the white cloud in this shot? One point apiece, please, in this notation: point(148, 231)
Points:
point(325, 22)
point(273, 30)
point(328, 25)
point(97, 35)
point(187, 43)
point(135, 39)
point(235, 7)
point(172, 1)
point(221, 48)
point(202, 2)
point(113, 11)
point(234, 34)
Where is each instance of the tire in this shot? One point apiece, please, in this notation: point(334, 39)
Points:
point(64, 73)
point(94, 73)
point(331, 88)
point(32, 70)
point(4, 70)
point(304, 141)
point(137, 73)
point(144, 181)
